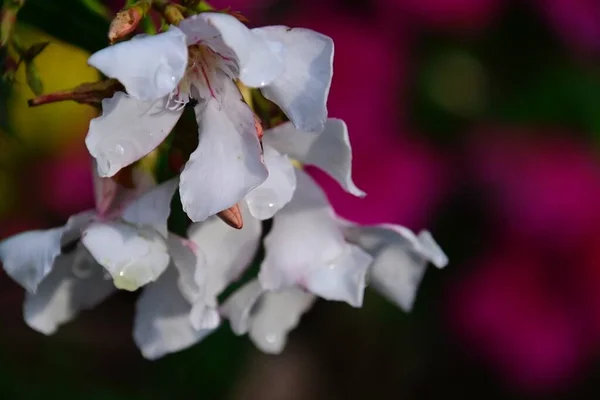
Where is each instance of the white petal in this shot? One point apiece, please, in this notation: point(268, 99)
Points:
point(237, 308)
point(112, 197)
point(127, 130)
point(28, 257)
point(149, 67)
point(274, 193)
point(268, 317)
point(259, 60)
point(304, 237)
point(329, 150)
point(400, 259)
point(76, 283)
point(133, 257)
point(190, 262)
point(342, 280)
point(228, 253)
point(227, 163)
point(429, 248)
point(204, 316)
point(152, 209)
point(275, 316)
point(162, 324)
point(187, 258)
point(75, 225)
point(302, 90)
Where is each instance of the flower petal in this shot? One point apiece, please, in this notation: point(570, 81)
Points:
point(237, 308)
point(133, 257)
point(342, 280)
point(187, 258)
point(162, 324)
point(29, 256)
point(152, 209)
point(190, 262)
point(268, 317)
point(400, 259)
point(227, 163)
point(276, 315)
point(301, 91)
point(259, 60)
point(127, 130)
point(304, 237)
point(228, 253)
point(274, 193)
point(75, 283)
point(112, 197)
point(150, 67)
point(329, 150)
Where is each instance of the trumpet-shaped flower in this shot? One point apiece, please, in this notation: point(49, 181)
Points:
point(199, 60)
point(126, 234)
point(122, 244)
point(310, 247)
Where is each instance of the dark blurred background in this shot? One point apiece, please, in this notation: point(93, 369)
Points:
point(476, 119)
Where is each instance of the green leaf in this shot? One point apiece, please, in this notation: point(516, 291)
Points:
point(34, 50)
point(69, 20)
point(33, 78)
point(97, 6)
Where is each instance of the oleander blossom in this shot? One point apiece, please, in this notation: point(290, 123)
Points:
point(126, 234)
point(200, 59)
point(122, 244)
point(310, 253)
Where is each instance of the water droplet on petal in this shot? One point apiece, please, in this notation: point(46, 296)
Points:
point(119, 150)
point(103, 166)
point(125, 282)
point(164, 79)
point(263, 203)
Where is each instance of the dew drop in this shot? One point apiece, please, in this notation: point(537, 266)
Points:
point(263, 203)
point(124, 282)
point(119, 150)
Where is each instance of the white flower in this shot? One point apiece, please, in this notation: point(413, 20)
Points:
point(126, 234)
point(199, 60)
point(329, 150)
point(310, 247)
point(267, 317)
point(309, 252)
point(65, 269)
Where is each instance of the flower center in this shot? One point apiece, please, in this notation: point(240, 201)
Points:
point(204, 75)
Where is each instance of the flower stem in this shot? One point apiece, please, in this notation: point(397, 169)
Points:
point(86, 93)
point(10, 8)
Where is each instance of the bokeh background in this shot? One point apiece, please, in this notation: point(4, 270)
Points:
point(476, 119)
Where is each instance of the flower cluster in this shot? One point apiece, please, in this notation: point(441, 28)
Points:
point(244, 166)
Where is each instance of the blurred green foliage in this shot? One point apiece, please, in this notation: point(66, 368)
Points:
point(515, 74)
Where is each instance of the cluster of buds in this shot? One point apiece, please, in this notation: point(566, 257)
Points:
point(238, 113)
